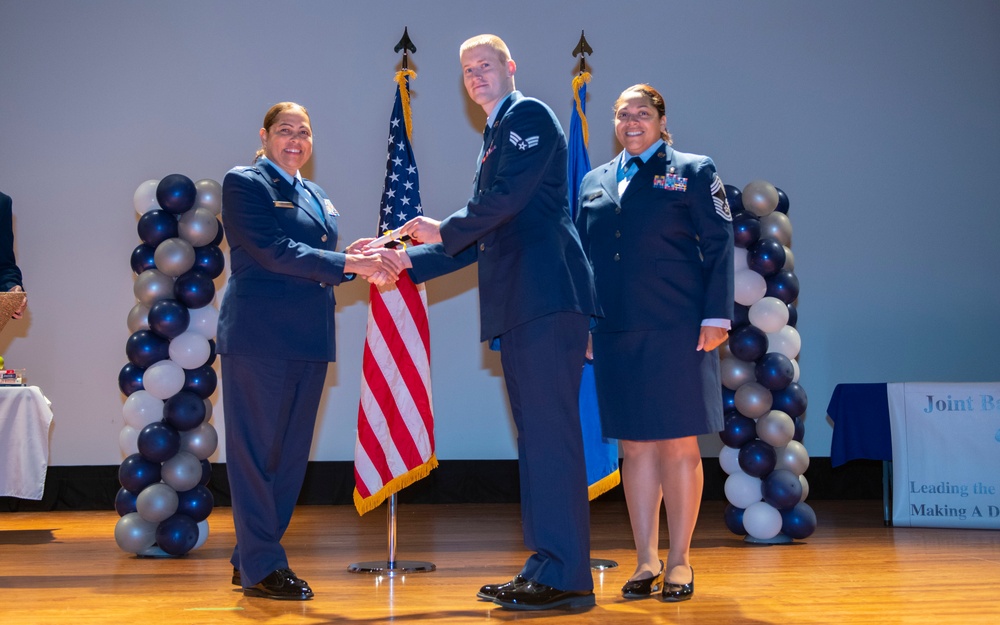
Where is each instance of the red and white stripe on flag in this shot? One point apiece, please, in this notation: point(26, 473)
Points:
point(395, 445)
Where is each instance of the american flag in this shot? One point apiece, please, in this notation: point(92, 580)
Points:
point(395, 445)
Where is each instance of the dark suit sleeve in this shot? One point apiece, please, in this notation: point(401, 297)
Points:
point(10, 273)
point(248, 215)
point(431, 261)
point(519, 173)
point(715, 240)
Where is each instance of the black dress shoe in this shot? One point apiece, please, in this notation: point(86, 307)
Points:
point(490, 591)
point(237, 580)
point(280, 584)
point(535, 596)
point(679, 592)
point(642, 588)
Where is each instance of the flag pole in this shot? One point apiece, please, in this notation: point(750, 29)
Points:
point(581, 50)
point(391, 566)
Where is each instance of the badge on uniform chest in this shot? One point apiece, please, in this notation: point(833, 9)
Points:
point(670, 182)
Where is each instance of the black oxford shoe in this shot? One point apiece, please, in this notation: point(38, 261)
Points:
point(534, 596)
point(673, 593)
point(490, 591)
point(281, 584)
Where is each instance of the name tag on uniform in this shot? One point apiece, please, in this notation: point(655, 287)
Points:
point(280, 204)
point(670, 182)
point(330, 210)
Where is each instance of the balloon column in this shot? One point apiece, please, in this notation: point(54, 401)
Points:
point(167, 438)
point(763, 454)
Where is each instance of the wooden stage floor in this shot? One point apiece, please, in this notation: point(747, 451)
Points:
point(64, 567)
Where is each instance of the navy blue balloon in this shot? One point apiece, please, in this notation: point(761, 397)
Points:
point(145, 347)
point(800, 429)
point(774, 371)
point(194, 289)
point(169, 318)
point(218, 235)
point(781, 488)
point(783, 285)
point(728, 399)
point(176, 193)
point(798, 522)
point(136, 473)
point(739, 430)
point(125, 502)
point(766, 256)
point(130, 379)
point(746, 229)
point(748, 343)
point(156, 226)
point(201, 381)
point(741, 315)
point(791, 400)
point(757, 458)
point(196, 503)
point(735, 198)
point(142, 258)
point(206, 472)
point(210, 259)
point(793, 315)
point(184, 410)
point(211, 354)
point(733, 518)
point(782, 201)
point(158, 442)
point(177, 534)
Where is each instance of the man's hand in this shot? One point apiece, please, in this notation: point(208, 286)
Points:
point(423, 229)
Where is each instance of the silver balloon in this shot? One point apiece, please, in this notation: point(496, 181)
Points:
point(134, 534)
point(144, 198)
point(209, 195)
point(769, 314)
point(138, 318)
point(201, 442)
point(777, 226)
point(793, 457)
point(151, 286)
point(156, 502)
point(789, 260)
point(805, 488)
point(182, 472)
point(753, 400)
point(174, 257)
point(742, 490)
point(735, 372)
point(761, 520)
point(760, 197)
point(775, 428)
point(208, 411)
point(198, 226)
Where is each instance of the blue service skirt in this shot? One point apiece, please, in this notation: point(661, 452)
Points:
point(653, 385)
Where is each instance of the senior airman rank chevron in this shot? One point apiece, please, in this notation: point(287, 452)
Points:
point(719, 197)
point(523, 144)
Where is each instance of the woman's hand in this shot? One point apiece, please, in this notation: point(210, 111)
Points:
point(711, 337)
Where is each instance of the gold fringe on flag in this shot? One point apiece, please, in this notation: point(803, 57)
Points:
point(404, 96)
point(603, 485)
point(581, 78)
point(396, 484)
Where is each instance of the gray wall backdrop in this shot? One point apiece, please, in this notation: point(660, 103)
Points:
point(878, 119)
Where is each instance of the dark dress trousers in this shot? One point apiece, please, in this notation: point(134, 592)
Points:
point(536, 298)
point(662, 255)
point(10, 273)
point(275, 338)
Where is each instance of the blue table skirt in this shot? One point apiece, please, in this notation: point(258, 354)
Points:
point(860, 414)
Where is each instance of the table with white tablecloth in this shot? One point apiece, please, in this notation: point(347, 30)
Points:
point(25, 419)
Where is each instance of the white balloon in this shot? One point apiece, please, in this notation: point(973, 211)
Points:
point(190, 350)
point(729, 459)
point(209, 195)
point(805, 488)
point(208, 410)
point(769, 314)
point(740, 259)
point(202, 534)
point(785, 341)
point(204, 321)
point(128, 440)
point(762, 521)
point(742, 490)
point(749, 286)
point(163, 379)
point(142, 408)
point(144, 198)
point(795, 367)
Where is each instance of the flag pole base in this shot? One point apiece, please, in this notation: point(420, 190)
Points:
point(599, 564)
point(384, 567)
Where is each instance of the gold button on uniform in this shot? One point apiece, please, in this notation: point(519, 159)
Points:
point(323, 238)
point(482, 247)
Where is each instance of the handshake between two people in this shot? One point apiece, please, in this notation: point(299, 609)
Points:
point(381, 265)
